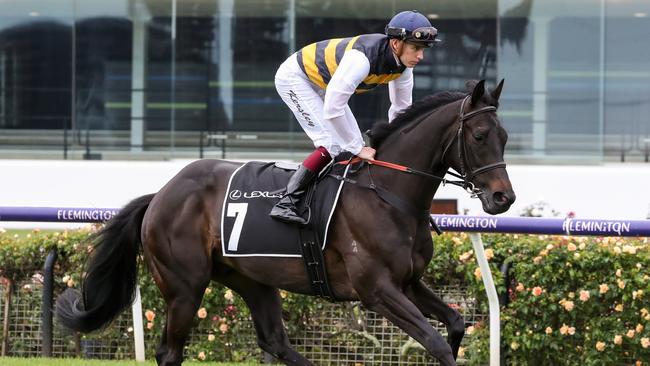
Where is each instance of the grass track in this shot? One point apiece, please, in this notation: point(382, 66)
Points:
point(13, 361)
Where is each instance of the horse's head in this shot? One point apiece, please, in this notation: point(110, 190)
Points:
point(476, 148)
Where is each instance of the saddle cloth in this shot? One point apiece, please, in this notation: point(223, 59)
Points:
point(254, 188)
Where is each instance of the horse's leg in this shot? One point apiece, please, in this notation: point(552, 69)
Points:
point(265, 305)
point(182, 278)
point(432, 306)
point(180, 314)
point(161, 351)
point(388, 300)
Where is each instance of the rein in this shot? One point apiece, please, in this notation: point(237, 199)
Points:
point(408, 170)
point(466, 182)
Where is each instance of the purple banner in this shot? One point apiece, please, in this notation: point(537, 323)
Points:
point(538, 225)
point(56, 214)
point(485, 224)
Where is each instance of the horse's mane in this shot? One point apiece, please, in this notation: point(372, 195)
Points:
point(380, 131)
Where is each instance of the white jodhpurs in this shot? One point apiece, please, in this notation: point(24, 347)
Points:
point(306, 102)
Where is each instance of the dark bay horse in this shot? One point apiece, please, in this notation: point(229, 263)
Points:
point(376, 253)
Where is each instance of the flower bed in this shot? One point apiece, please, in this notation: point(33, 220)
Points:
point(572, 300)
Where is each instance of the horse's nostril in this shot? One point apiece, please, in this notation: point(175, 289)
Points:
point(500, 198)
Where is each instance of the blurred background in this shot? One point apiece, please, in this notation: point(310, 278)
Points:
point(167, 79)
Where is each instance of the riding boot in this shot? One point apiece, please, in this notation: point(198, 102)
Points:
point(285, 209)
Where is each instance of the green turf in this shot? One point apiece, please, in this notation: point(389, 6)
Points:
point(12, 361)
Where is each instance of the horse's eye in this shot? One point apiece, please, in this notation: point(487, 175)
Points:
point(479, 136)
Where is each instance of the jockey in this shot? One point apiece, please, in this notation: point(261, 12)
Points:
point(317, 81)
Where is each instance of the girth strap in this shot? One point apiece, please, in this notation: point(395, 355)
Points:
point(312, 255)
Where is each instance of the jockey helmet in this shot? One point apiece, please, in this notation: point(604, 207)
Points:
point(413, 27)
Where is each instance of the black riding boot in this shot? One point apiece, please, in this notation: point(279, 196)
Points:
point(285, 210)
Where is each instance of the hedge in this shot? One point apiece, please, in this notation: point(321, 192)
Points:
point(572, 300)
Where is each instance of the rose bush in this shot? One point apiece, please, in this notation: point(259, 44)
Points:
point(572, 300)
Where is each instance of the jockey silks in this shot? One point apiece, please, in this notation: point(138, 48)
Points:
point(352, 64)
point(320, 60)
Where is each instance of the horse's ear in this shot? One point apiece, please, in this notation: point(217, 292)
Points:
point(478, 91)
point(496, 93)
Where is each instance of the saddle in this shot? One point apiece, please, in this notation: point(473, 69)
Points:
point(248, 231)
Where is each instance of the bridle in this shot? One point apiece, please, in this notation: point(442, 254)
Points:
point(465, 167)
point(466, 182)
point(466, 173)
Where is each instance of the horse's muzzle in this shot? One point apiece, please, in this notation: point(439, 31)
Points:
point(498, 202)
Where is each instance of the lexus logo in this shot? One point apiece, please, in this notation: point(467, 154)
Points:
point(235, 194)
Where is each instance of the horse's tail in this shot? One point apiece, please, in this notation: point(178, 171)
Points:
point(108, 286)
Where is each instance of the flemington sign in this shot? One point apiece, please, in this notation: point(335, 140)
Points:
point(538, 225)
point(485, 224)
point(54, 214)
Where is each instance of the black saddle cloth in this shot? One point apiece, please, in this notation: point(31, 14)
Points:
point(253, 190)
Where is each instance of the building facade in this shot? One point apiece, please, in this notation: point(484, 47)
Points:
point(171, 78)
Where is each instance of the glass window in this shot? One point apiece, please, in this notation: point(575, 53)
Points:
point(161, 75)
point(627, 80)
point(35, 67)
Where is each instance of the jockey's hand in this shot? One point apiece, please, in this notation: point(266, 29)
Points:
point(367, 153)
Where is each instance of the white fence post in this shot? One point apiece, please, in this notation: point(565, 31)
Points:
point(138, 329)
point(493, 299)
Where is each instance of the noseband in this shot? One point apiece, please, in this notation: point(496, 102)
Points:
point(466, 182)
point(465, 166)
point(466, 173)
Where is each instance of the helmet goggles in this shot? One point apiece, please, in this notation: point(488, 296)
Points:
point(425, 36)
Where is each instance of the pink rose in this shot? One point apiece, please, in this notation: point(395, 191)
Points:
point(645, 342)
point(150, 315)
point(603, 288)
point(564, 330)
point(618, 339)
